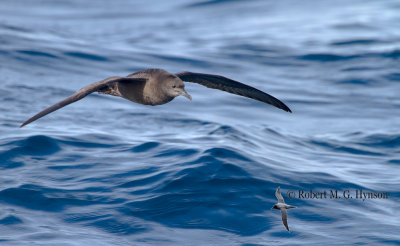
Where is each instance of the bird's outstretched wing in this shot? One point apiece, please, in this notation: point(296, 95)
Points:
point(231, 86)
point(284, 218)
point(279, 196)
point(81, 94)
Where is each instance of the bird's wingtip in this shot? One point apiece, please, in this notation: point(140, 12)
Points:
point(24, 124)
point(287, 109)
point(282, 106)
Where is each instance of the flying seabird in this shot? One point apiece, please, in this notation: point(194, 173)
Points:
point(157, 86)
point(281, 205)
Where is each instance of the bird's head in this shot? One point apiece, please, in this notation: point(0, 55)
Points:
point(174, 87)
point(275, 207)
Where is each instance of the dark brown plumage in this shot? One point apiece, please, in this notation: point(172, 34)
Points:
point(157, 86)
point(231, 86)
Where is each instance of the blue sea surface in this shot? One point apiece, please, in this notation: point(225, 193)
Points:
point(106, 171)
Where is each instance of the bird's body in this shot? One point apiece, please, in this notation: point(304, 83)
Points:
point(157, 86)
point(147, 92)
point(281, 205)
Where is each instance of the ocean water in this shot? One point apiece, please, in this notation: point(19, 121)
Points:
point(105, 171)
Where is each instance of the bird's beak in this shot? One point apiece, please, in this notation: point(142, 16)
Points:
point(185, 94)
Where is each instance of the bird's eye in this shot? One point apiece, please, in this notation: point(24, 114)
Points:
point(174, 86)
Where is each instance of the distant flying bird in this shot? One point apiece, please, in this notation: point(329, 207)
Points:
point(157, 86)
point(281, 205)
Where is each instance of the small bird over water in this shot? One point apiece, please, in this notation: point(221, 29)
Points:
point(157, 86)
point(281, 205)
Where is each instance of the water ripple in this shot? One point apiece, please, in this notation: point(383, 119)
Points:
point(106, 171)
